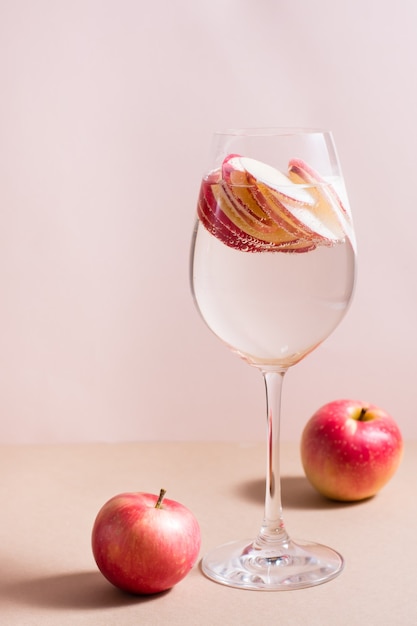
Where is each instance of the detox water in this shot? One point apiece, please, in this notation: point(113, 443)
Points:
point(272, 307)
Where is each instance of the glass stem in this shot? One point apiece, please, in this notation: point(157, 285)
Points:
point(272, 530)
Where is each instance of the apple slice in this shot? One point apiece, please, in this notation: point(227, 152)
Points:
point(217, 222)
point(252, 206)
point(244, 178)
point(231, 213)
point(259, 226)
point(258, 175)
point(302, 208)
point(287, 211)
point(328, 208)
point(265, 174)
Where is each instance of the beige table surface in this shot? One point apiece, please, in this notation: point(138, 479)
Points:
point(50, 495)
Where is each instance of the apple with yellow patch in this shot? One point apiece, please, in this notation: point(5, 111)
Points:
point(145, 544)
point(350, 449)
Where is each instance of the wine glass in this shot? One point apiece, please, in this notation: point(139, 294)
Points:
point(272, 275)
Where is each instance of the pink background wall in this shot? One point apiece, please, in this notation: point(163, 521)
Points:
point(106, 113)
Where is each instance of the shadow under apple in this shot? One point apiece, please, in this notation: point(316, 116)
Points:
point(76, 590)
point(296, 493)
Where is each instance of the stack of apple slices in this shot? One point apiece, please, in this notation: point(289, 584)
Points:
point(253, 207)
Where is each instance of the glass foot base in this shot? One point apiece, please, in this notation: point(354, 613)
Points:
point(293, 565)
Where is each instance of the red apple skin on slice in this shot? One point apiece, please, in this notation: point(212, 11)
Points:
point(218, 224)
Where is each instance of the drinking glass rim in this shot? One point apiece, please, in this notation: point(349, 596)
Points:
point(270, 131)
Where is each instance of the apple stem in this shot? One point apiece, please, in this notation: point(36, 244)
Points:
point(161, 497)
point(362, 414)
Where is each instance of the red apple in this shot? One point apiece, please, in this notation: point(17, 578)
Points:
point(350, 449)
point(143, 545)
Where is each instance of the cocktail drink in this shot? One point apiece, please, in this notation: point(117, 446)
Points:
point(272, 272)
